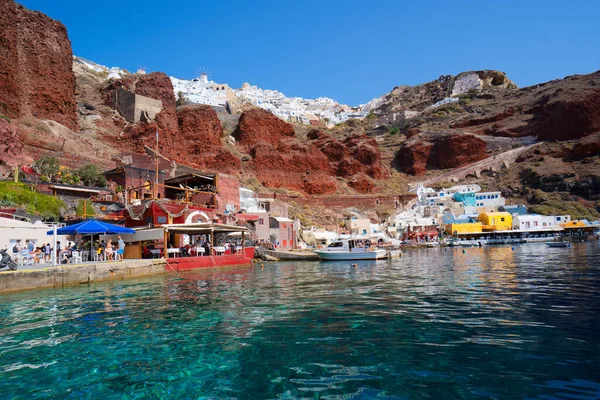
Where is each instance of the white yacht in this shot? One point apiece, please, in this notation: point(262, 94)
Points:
point(349, 249)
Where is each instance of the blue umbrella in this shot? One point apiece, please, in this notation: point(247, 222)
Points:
point(92, 227)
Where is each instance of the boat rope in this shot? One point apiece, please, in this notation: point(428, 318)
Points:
point(169, 265)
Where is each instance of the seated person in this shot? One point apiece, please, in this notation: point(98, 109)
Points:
point(26, 256)
point(146, 252)
point(38, 255)
point(109, 250)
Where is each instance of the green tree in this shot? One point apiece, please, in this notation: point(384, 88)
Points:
point(47, 167)
point(90, 175)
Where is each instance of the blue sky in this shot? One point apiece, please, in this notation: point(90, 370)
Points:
point(348, 50)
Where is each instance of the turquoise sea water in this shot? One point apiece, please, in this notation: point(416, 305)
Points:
point(489, 323)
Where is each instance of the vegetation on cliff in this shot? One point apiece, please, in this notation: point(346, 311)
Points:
point(22, 195)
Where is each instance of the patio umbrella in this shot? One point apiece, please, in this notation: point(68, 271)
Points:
point(90, 227)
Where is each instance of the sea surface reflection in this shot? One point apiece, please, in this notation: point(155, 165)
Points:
point(491, 322)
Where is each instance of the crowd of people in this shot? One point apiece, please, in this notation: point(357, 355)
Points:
point(30, 253)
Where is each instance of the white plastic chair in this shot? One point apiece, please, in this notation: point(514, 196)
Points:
point(76, 257)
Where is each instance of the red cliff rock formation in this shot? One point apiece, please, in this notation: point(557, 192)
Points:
point(361, 183)
point(11, 147)
point(357, 153)
point(456, 150)
point(260, 126)
point(413, 157)
point(588, 146)
point(571, 117)
point(156, 85)
point(36, 60)
point(447, 151)
point(200, 126)
point(304, 169)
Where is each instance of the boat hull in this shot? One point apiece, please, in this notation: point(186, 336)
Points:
point(558, 244)
point(346, 255)
point(293, 255)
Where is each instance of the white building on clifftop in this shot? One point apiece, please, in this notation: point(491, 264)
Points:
point(469, 81)
point(293, 109)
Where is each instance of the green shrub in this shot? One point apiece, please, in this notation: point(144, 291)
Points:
point(90, 176)
point(21, 195)
point(89, 210)
point(47, 167)
point(394, 130)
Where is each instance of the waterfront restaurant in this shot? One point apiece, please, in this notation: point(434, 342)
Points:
point(220, 249)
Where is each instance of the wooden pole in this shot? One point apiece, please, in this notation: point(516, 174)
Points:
point(156, 175)
point(165, 249)
point(243, 242)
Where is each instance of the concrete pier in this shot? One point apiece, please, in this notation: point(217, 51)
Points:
point(76, 274)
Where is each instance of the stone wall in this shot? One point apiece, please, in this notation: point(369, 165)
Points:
point(134, 107)
point(62, 276)
point(367, 203)
point(229, 191)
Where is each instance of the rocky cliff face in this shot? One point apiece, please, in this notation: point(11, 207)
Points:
point(438, 151)
point(260, 126)
point(11, 147)
point(190, 135)
point(36, 76)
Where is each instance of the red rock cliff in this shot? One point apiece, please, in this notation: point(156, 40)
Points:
point(438, 152)
point(36, 66)
point(260, 126)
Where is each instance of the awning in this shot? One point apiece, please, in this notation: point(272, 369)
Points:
point(246, 217)
point(197, 229)
point(76, 189)
point(140, 235)
point(282, 219)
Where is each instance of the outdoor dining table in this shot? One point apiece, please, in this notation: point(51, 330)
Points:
point(219, 250)
point(155, 253)
point(175, 251)
point(199, 250)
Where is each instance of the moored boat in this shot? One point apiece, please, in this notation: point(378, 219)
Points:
point(284, 255)
point(349, 249)
point(558, 244)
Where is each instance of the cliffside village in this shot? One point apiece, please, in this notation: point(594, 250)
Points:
point(147, 192)
point(320, 111)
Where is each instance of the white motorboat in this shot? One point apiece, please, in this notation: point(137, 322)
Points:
point(349, 249)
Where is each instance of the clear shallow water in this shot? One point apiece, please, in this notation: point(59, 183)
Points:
point(437, 324)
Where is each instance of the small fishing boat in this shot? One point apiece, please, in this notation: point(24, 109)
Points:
point(297, 255)
point(558, 244)
point(349, 249)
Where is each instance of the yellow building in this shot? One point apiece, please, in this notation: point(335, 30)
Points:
point(495, 221)
point(473, 227)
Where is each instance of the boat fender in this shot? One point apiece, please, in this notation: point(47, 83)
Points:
point(512, 248)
